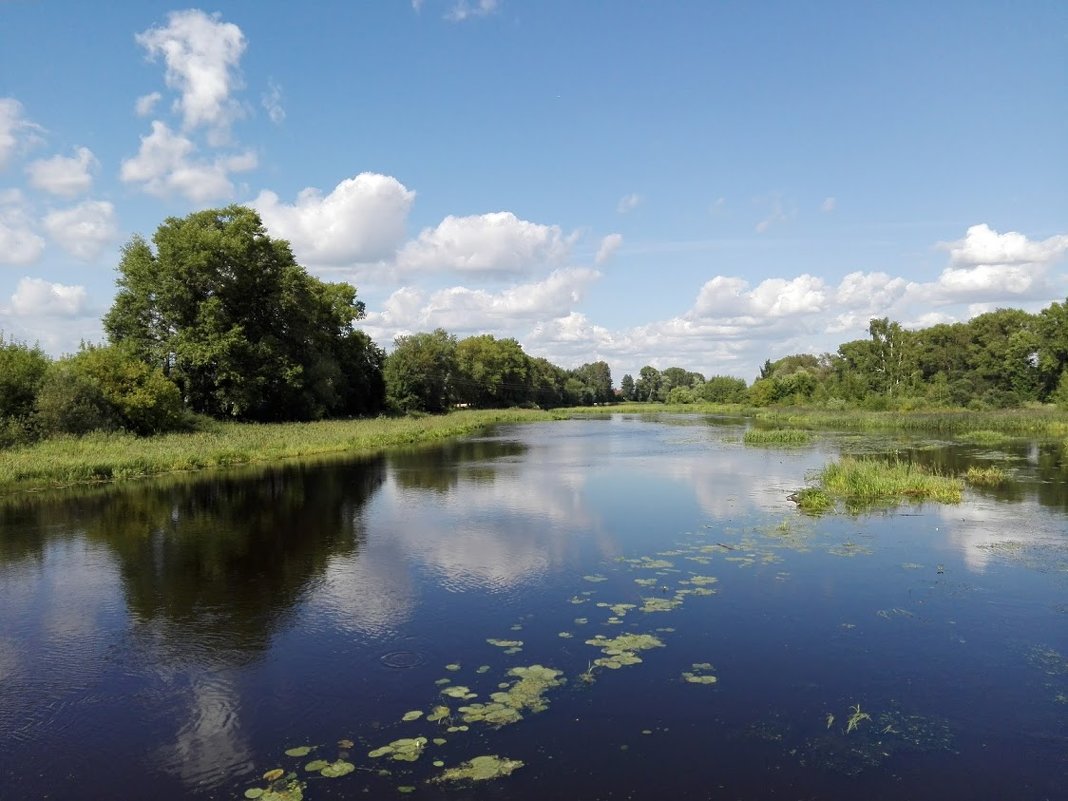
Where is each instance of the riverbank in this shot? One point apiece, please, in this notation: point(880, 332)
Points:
point(96, 458)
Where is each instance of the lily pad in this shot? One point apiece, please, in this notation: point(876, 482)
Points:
point(337, 769)
point(253, 792)
point(407, 717)
point(506, 643)
point(300, 751)
point(275, 773)
point(316, 765)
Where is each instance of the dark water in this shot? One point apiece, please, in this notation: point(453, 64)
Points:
point(173, 639)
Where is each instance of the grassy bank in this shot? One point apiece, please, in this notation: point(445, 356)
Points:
point(867, 482)
point(112, 457)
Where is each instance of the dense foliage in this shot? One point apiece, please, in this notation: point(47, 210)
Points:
point(242, 329)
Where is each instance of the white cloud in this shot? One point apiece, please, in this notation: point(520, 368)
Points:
point(13, 127)
point(272, 103)
point(465, 10)
point(727, 297)
point(362, 220)
point(609, 245)
point(462, 310)
point(19, 243)
point(982, 245)
point(36, 297)
point(84, 230)
point(828, 205)
point(496, 243)
point(986, 266)
point(62, 175)
point(201, 53)
point(146, 104)
point(628, 202)
point(869, 290)
point(164, 165)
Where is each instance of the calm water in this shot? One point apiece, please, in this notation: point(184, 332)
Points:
point(173, 639)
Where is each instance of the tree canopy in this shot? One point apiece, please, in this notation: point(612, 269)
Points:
point(242, 329)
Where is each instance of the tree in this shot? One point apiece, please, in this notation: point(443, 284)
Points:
point(492, 373)
point(597, 379)
point(626, 387)
point(722, 389)
point(22, 369)
point(242, 329)
point(419, 372)
point(648, 384)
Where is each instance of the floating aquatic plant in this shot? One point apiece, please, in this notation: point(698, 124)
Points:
point(505, 643)
point(316, 765)
point(300, 751)
point(407, 717)
point(698, 676)
point(335, 770)
point(407, 749)
point(481, 768)
point(659, 604)
point(438, 713)
point(459, 691)
point(507, 705)
point(453, 667)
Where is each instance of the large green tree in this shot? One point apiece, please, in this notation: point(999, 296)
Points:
point(492, 373)
point(239, 326)
point(419, 373)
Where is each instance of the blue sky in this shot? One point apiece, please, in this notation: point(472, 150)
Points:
point(700, 184)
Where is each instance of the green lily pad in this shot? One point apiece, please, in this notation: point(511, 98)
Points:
point(316, 765)
point(337, 769)
point(253, 792)
point(300, 751)
point(415, 714)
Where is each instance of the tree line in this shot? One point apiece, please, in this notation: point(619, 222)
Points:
point(216, 318)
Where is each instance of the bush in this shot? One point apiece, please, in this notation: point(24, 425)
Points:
point(105, 389)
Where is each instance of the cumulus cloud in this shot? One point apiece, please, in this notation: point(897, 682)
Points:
point(496, 243)
point(84, 230)
point(35, 297)
point(464, 10)
point(62, 175)
point(730, 297)
point(464, 310)
point(628, 202)
point(201, 53)
point(165, 165)
point(609, 245)
point(362, 220)
point(988, 266)
point(19, 242)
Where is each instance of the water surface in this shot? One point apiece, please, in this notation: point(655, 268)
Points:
point(172, 639)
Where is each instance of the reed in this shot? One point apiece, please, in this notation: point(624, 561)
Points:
point(1038, 422)
point(112, 457)
point(782, 437)
point(863, 482)
point(989, 476)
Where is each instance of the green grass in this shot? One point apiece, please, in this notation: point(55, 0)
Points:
point(777, 436)
point(1037, 422)
point(989, 476)
point(869, 482)
point(112, 457)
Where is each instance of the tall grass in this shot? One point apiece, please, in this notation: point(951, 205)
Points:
point(110, 457)
point(777, 436)
point(865, 482)
point(1040, 422)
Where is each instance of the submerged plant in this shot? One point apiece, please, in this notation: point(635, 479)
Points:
point(856, 717)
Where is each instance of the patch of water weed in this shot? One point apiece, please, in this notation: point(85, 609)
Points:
point(984, 437)
point(527, 694)
point(990, 476)
point(699, 674)
point(866, 482)
point(337, 769)
point(867, 741)
point(479, 769)
point(777, 437)
point(813, 500)
point(282, 787)
point(622, 650)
